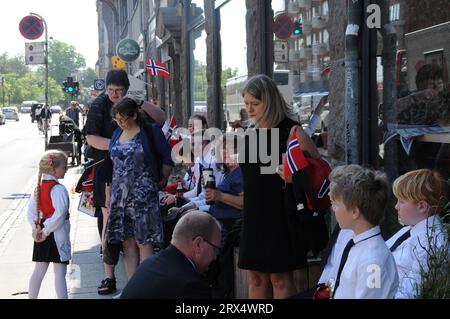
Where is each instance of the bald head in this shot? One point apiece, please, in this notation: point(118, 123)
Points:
point(193, 224)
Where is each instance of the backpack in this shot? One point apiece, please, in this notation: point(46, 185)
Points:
point(313, 180)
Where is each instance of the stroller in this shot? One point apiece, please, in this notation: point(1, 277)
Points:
point(66, 141)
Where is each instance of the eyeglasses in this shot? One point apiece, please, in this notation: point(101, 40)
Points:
point(216, 248)
point(116, 91)
point(122, 120)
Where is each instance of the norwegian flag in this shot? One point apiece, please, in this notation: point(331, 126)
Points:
point(155, 67)
point(169, 132)
point(295, 160)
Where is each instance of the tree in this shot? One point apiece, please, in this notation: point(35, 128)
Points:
point(13, 65)
point(87, 77)
point(63, 60)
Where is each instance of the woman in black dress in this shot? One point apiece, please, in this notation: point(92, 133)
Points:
point(268, 246)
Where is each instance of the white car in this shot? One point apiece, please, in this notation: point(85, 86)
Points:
point(56, 109)
point(11, 113)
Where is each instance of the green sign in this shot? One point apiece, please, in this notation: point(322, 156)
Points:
point(128, 50)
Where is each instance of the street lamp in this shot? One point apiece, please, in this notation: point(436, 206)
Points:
point(46, 77)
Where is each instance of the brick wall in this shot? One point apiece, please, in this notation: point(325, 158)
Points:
point(421, 14)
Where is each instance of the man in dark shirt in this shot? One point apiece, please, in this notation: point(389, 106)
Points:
point(175, 272)
point(98, 129)
point(74, 112)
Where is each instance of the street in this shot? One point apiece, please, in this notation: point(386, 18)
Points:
point(20, 148)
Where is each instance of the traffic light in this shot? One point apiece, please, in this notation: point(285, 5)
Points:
point(297, 29)
point(76, 89)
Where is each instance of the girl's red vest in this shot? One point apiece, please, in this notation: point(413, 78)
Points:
point(45, 201)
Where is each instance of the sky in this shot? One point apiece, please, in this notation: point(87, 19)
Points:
point(71, 21)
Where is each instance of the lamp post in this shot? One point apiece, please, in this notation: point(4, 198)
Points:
point(46, 78)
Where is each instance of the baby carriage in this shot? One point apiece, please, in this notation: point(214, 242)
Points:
point(66, 141)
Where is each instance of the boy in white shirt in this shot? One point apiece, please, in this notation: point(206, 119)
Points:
point(367, 268)
point(421, 196)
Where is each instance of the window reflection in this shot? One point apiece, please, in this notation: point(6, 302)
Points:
point(234, 58)
point(199, 83)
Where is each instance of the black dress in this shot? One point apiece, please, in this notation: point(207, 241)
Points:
point(268, 241)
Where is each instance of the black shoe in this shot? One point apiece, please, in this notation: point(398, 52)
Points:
point(107, 286)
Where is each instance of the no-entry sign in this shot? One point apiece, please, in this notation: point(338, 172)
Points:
point(283, 27)
point(31, 27)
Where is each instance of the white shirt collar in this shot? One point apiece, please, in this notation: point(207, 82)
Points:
point(48, 177)
point(421, 227)
point(368, 233)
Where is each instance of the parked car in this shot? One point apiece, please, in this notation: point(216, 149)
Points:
point(11, 113)
point(56, 109)
point(26, 106)
point(2, 119)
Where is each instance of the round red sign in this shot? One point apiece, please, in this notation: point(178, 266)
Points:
point(283, 27)
point(31, 27)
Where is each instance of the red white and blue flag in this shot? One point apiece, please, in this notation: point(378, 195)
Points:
point(157, 68)
point(295, 160)
point(170, 132)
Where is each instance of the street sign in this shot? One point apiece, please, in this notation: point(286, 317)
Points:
point(283, 27)
point(31, 27)
point(281, 54)
point(99, 85)
point(118, 63)
point(35, 53)
point(128, 50)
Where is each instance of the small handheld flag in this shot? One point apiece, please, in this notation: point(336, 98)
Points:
point(157, 68)
point(295, 160)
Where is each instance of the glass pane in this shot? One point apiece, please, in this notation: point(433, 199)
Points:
point(197, 10)
point(415, 131)
point(301, 63)
point(199, 84)
point(234, 57)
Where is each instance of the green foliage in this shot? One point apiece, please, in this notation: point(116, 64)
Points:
point(226, 74)
point(24, 83)
point(13, 65)
point(435, 280)
point(200, 82)
point(87, 77)
point(63, 60)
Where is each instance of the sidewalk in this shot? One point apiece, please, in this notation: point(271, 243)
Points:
point(16, 246)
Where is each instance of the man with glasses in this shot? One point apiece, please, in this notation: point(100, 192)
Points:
point(175, 272)
point(98, 129)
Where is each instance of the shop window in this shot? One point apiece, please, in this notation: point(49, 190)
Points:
point(234, 59)
point(417, 128)
point(305, 72)
point(199, 85)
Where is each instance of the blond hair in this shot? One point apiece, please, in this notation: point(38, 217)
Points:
point(361, 188)
point(48, 162)
point(422, 185)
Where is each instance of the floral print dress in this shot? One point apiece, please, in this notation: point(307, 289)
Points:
point(134, 198)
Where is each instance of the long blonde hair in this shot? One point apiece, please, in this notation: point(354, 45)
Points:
point(48, 162)
point(263, 88)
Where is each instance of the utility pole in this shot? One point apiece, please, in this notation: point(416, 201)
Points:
point(46, 79)
point(3, 91)
point(352, 104)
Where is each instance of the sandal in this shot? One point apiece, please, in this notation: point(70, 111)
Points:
point(107, 286)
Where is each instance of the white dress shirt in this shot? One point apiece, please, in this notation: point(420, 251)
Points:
point(58, 224)
point(331, 268)
point(370, 271)
point(411, 255)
